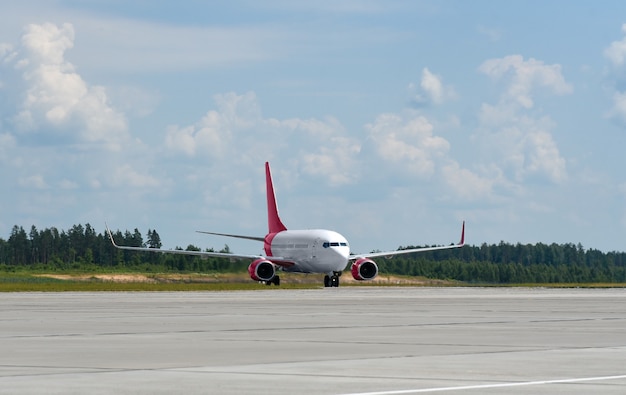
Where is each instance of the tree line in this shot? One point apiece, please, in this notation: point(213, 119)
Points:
point(82, 248)
point(518, 263)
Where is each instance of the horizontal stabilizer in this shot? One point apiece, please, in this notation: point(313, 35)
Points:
point(236, 236)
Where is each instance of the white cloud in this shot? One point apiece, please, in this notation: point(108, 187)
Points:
point(35, 182)
point(432, 90)
point(181, 140)
point(212, 135)
point(57, 98)
point(544, 156)
point(334, 162)
point(616, 52)
point(126, 176)
point(237, 129)
point(47, 43)
point(466, 184)
point(433, 86)
point(7, 53)
point(511, 137)
point(618, 111)
point(408, 143)
point(57, 106)
point(326, 151)
point(526, 75)
point(520, 143)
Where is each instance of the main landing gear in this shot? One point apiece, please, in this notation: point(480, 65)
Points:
point(275, 280)
point(332, 281)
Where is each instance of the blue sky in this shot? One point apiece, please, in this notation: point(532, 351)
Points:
point(387, 121)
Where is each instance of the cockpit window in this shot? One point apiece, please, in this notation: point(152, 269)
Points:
point(327, 244)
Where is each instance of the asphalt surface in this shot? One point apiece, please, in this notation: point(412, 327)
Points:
point(343, 340)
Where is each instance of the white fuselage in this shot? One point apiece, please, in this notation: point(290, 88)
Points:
point(312, 251)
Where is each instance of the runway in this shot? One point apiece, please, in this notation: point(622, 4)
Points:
point(346, 340)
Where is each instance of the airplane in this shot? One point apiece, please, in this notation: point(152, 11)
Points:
point(302, 251)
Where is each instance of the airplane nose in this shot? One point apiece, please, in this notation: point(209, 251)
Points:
point(342, 254)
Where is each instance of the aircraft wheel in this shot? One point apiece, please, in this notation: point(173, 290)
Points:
point(276, 281)
point(326, 281)
point(334, 281)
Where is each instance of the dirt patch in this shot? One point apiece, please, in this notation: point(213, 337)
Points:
point(398, 280)
point(292, 278)
point(160, 278)
point(116, 278)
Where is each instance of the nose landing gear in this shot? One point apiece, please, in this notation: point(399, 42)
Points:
point(332, 280)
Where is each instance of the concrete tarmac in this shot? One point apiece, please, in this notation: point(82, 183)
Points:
point(324, 341)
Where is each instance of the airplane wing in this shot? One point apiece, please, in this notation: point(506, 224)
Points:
point(275, 260)
point(389, 254)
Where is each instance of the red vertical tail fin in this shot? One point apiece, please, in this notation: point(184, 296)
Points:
point(275, 225)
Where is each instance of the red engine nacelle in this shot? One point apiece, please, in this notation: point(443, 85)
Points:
point(262, 270)
point(364, 269)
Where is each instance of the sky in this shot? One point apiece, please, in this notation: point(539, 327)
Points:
point(390, 122)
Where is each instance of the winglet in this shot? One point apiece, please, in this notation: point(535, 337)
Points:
point(275, 225)
point(110, 235)
point(462, 242)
